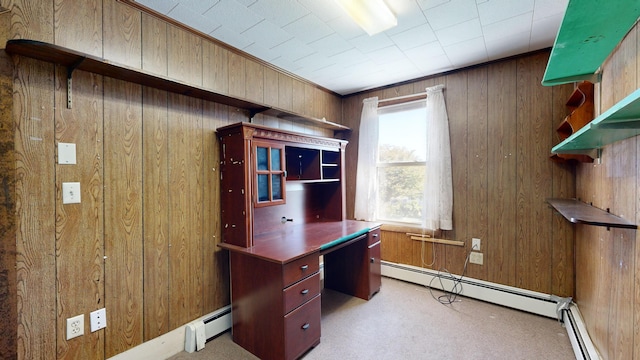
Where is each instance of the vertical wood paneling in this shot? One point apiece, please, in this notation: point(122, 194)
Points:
point(285, 92)
point(156, 212)
point(185, 199)
point(237, 75)
point(254, 81)
point(215, 68)
point(456, 102)
point(79, 227)
point(85, 32)
point(8, 222)
point(216, 260)
point(500, 246)
point(298, 98)
point(154, 45)
point(476, 202)
point(270, 86)
point(32, 20)
point(534, 170)
point(122, 34)
point(185, 56)
point(33, 106)
point(123, 215)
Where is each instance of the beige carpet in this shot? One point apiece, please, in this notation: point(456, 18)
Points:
point(403, 321)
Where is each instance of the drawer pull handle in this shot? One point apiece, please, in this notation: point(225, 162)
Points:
point(374, 235)
point(304, 267)
point(373, 260)
point(305, 326)
point(304, 292)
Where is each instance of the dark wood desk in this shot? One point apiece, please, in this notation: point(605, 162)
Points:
point(275, 284)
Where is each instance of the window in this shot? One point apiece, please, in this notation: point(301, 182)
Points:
point(401, 162)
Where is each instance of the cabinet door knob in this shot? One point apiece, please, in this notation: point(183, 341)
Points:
point(304, 292)
point(304, 267)
point(305, 326)
point(373, 260)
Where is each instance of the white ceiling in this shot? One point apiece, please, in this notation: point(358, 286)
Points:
point(317, 41)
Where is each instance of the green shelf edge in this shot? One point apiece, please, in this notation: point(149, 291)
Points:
point(590, 30)
point(619, 122)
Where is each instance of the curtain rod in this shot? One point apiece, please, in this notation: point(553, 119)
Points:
point(404, 97)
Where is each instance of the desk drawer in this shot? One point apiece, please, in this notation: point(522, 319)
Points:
point(374, 236)
point(299, 293)
point(300, 269)
point(302, 328)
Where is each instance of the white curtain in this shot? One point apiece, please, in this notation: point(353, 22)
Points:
point(366, 189)
point(438, 191)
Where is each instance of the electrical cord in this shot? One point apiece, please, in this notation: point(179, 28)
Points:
point(450, 296)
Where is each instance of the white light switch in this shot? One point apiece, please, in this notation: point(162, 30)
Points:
point(66, 153)
point(71, 193)
point(98, 319)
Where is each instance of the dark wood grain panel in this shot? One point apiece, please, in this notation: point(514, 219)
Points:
point(254, 81)
point(186, 213)
point(185, 56)
point(122, 34)
point(31, 20)
point(535, 126)
point(501, 163)
point(80, 227)
point(35, 266)
point(478, 141)
point(123, 241)
point(456, 101)
point(237, 75)
point(155, 187)
point(154, 45)
point(215, 68)
point(85, 32)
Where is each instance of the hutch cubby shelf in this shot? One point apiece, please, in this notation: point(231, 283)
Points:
point(75, 60)
point(586, 37)
point(619, 122)
point(580, 103)
point(579, 212)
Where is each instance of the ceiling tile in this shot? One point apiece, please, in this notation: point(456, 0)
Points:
point(267, 34)
point(349, 58)
point(163, 7)
point(279, 12)
point(196, 21)
point(469, 52)
point(308, 29)
point(498, 10)
point(233, 16)
point(507, 45)
point(346, 27)
point(547, 8)
point(506, 28)
point(544, 31)
point(451, 13)
point(230, 37)
point(261, 52)
point(294, 49)
point(428, 4)
point(414, 37)
point(459, 33)
point(366, 43)
point(199, 6)
point(325, 10)
point(331, 45)
point(408, 13)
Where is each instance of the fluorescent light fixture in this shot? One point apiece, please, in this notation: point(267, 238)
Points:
point(373, 16)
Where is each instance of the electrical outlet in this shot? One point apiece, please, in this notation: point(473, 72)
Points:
point(476, 258)
point(475, 244)
point(98, 319)
point(75, 326)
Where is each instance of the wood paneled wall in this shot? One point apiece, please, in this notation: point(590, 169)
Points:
point(143, 242)
point(608, 261)
point(502, 126)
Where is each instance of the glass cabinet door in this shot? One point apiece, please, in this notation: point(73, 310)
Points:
point(269, 173)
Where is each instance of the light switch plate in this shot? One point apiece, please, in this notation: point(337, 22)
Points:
point(98, 319)
point(71, 193)
point(66, 153)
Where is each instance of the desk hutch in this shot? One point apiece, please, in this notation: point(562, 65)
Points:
point(283, 206)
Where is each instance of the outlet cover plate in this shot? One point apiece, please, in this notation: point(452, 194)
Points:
point(70, 192)
point(475, 244)
point(98, 319)
point(476, 258)
point(66, 153)
point(75, 326)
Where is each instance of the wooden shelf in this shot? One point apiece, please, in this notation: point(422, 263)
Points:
point(620, 122)
point(74, 60)
point(590, 30)
point(579, 212)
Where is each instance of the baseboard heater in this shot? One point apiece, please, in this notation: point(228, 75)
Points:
point(530, 301)
point(197, 333)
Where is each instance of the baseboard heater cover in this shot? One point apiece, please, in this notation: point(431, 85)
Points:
point(525, 300)
point(198, 332)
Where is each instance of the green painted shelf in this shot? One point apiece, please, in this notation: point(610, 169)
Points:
point(590, 30)
point(620, 122)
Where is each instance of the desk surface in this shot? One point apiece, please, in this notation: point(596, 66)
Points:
point(294, 241)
